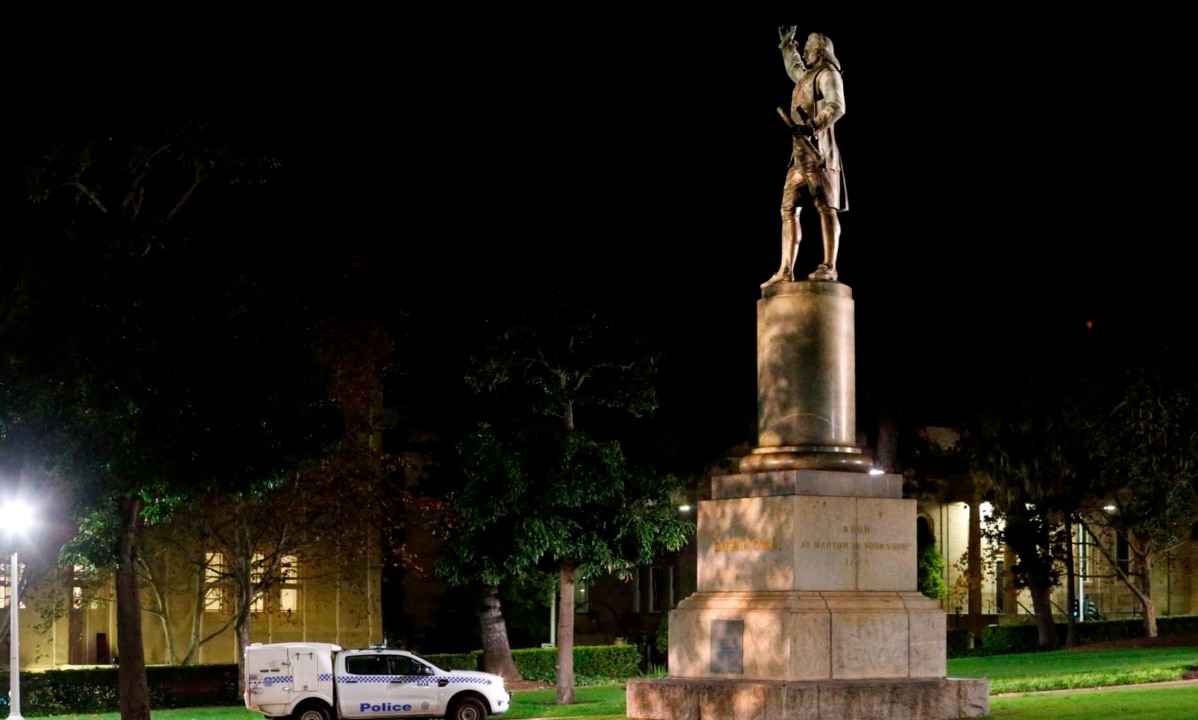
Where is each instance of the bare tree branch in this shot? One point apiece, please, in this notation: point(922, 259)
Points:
point(91, 196)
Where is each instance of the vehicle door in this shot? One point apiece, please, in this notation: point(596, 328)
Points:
point(303, 671)
point(268, 676)
point(418, 684)
point(370, 687)
point(363, 687)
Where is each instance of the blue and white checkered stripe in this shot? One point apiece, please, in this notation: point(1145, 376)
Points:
point(324, 677)
point(412, 679)
point(461, 679)
point(270, 680)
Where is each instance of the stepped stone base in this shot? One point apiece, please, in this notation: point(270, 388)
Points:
point(807, 636)
point(705, 699)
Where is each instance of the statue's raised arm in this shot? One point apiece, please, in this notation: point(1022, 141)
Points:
point(792, 54)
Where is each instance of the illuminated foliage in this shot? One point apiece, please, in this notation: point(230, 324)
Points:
point(542, 494)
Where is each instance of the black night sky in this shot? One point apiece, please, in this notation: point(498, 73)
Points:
point(1010, 179)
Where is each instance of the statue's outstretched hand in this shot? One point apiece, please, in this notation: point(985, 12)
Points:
point(786, 35)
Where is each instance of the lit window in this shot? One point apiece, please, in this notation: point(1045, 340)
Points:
point(654, 589)
point(258, 604)
point(289, 576)
point(6, 596)
point(581, 596)
point(287, 581)
point(214, 573)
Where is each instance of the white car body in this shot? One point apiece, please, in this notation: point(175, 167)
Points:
point(321, 681)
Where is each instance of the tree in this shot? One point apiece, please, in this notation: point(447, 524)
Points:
point(1025, 448)
point(540, 493)
point(1142, 448)
point(1083, 438)
point(138, 360)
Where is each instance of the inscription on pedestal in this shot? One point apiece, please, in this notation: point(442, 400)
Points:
point(728, 646)
point(800, 542)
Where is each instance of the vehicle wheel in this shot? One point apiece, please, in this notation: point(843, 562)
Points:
point(465, 709)
point(311, 711)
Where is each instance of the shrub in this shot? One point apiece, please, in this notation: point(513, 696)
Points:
point(1002, 639)
point(931, 573)
point(591, 662)
point(958, 643)
point(94, 690)
point(456, 661)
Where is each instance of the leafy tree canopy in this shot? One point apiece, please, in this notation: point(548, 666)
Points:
point(142, 357)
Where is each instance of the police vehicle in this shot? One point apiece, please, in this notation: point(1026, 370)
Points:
point(322, 681)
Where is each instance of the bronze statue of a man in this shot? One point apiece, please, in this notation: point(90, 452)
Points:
point(815, 169)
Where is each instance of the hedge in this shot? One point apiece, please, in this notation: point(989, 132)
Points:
point(1000, 639)
point(94, 690)
point(597, 661)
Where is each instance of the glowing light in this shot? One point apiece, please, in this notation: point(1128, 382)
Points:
point(15, 517)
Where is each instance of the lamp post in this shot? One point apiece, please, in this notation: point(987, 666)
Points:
point(14, 516)
point(14, 641)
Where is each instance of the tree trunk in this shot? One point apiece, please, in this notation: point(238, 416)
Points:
point(974, 570)
point(1070, 587)
point(245, 599)
point(162, 609)
point(497, 651)
point(1145, 563)
point(1042, 604)
point(243, 641)
point(131, 673)
point(565, 635)
point(197, 613)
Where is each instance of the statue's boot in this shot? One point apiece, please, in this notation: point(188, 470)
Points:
point(830, 230)
point(790, 249)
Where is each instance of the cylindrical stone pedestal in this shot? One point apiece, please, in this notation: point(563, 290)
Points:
point(806, 380)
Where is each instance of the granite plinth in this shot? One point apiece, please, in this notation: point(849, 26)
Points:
point(806, 542)
point(793, 636)
point(930, 699)
point(806, 482)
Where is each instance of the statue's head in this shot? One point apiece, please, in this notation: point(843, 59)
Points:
point(819, 48)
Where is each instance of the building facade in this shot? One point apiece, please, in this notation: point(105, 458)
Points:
point(189, 606)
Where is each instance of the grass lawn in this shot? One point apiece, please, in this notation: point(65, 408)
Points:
point(1007, 674)
point(1177, 702)
point(1062, 670)
point(598, 702)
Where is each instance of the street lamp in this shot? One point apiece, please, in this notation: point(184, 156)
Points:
point(15, 518)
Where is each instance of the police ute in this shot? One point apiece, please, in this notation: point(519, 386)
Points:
point(321, 681)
